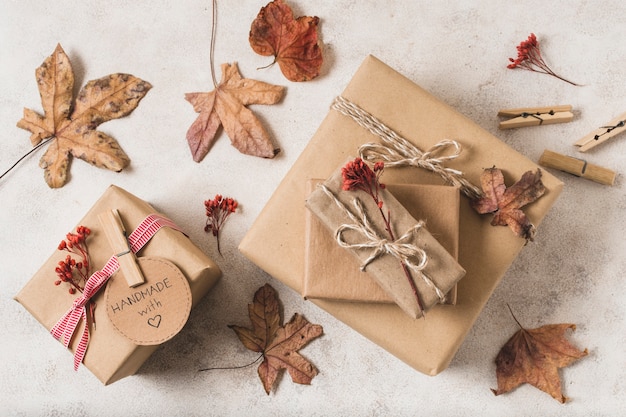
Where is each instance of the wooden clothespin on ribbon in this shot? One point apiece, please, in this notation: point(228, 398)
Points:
point(535, 116)
point(602, 134)
point(116, 235)
point(578, 167)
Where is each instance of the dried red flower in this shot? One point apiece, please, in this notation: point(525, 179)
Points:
point(357, 175)
point(217, 211)
point(529, 58)
point(69, 270)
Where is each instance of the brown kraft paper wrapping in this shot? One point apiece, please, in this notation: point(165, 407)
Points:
point(441, 267)
point(276, 240)
point(331, 273)
point(110, 356)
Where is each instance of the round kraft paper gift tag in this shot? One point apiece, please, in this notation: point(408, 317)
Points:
point(154, 311)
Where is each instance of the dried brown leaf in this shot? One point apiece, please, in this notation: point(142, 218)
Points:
point(534, 356)
point(73, 130)
point(226, 105)
point(293, 42)
point(278, 344)
point(506, 203)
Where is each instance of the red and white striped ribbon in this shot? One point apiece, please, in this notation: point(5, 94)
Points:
point(67, 325)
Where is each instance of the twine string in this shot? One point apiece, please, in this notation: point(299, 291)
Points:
point(400, 249)
point(397, 151)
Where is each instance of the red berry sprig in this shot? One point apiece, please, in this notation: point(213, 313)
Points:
point(69, 270)
point(529, 58)
point(217, 211)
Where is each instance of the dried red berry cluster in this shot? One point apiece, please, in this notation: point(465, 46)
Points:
point(529, 58)
point(217, 211)
point(357, 175)
point(75, 273)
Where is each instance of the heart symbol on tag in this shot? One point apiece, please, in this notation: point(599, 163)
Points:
point(155, 321)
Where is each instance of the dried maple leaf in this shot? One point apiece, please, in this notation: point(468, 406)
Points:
point(73, 130)
point(293, 42)
point(278, 344)
point(505, 203)
point(534, 356)
point(226, 105)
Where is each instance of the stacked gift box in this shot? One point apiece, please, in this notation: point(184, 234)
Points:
point(390, 256)
point(328, 275)
point(293, 240)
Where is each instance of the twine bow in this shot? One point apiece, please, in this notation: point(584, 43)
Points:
point(68, 324)
point(397, 151)
point(400, 248)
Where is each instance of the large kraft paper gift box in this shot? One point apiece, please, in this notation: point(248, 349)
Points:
point(111, 356)
point(276, 240)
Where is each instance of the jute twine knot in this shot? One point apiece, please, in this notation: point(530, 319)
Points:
point(397, 151)
point(400, 248)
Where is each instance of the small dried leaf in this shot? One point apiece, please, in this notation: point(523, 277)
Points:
point(278, 344)
point(506, 203)
point(226, 106)
point(534, 356)
point(293, 42)
point(107, 98)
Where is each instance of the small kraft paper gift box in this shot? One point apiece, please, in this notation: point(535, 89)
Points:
point(331, 273)
point(131, 317)
point(403, 257)
point(276, 240)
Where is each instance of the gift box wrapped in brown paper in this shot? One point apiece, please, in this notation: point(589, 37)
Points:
point(439, 273)
point(331, 273)
point(110, 355)
point(276, 240)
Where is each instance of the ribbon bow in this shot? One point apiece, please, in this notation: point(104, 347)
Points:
point(399, 248)
point(67, 325)
point(397, 151)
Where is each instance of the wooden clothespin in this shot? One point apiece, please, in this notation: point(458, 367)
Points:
point(602, 134)
point(116, 235)
point(577, 167)
point(535, 116)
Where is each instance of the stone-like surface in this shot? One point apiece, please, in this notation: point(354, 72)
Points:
point(574, 272)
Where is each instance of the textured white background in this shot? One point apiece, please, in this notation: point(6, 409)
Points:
point(574, 272)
